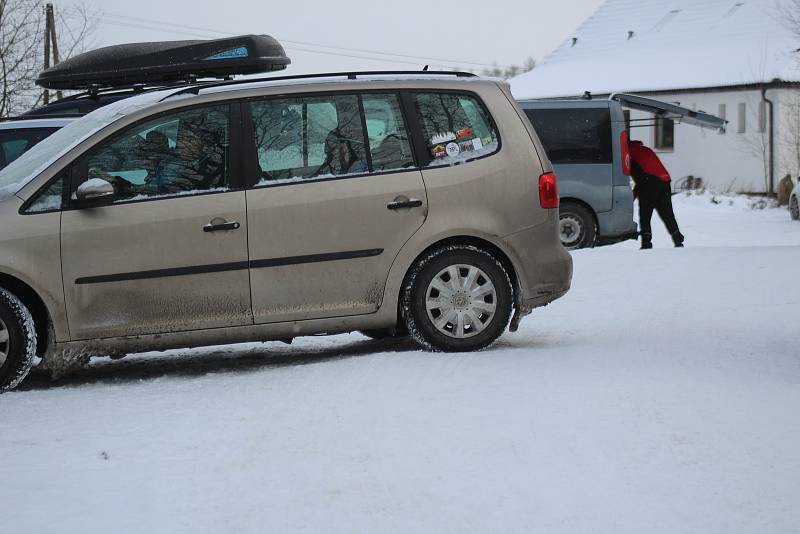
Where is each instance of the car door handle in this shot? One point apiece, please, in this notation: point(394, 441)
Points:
point(403, 203)
point(221, 227)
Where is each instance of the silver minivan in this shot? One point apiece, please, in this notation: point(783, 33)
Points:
point(268, 209)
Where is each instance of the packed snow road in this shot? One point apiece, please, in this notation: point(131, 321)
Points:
point(660, 395)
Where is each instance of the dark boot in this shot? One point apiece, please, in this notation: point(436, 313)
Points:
point(677, 238)
point(647, 241)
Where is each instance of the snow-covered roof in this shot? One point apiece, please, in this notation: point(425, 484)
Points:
point(658, 45)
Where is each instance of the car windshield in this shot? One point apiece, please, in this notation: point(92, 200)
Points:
point(37, 159)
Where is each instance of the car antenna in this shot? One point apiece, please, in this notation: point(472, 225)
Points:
point(424, 68)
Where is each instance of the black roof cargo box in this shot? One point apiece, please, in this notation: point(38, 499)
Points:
point(166, 62)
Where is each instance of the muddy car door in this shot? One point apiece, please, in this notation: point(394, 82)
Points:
point(156, 237)
point(336, 195)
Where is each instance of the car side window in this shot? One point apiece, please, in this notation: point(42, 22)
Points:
point(308, 138)
point(48, 199)
point(456, 127)
point(388, 138)
point(178, 154)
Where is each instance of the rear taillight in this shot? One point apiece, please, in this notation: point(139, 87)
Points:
point(548, 190)
point(626, 153)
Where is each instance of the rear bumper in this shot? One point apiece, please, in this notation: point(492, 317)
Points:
point(617, 223)
point(544, 272)
point(543, 299)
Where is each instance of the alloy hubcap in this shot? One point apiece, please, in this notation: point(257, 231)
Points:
point(569, 229)
point(461, 301)
point(3, 342)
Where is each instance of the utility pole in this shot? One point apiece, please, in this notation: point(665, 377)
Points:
point(47, 11)
point(50, 42)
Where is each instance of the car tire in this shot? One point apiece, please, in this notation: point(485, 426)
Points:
point(17, 341)
point(576, 226)
point(794, 208)
point(457, 298)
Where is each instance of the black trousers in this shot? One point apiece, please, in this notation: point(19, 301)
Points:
point(655, 194)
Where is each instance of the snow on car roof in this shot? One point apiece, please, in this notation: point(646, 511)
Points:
point(50, 122)
point(640, 46)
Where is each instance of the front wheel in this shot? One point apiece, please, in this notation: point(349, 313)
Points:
point(17, 341)
point(794, 208)
point(576, 227)
point(457, 298)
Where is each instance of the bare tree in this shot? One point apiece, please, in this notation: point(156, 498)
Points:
point(512, 70)
point(755, 142)
point(790, 132)
point(22, 33)
point(788, 13)
point(755, 135)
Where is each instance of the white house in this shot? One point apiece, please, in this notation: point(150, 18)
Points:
point(736, 59)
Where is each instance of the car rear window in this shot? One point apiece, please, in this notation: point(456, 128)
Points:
point(574, 135)
point(456, 127)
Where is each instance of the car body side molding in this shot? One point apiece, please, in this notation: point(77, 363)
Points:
point(232, 266)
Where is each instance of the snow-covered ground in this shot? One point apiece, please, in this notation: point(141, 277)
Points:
point(662, 394)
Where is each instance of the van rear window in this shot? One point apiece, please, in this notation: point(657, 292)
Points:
point(574, 135)
point(456, 128)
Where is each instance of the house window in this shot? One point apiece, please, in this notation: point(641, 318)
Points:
point(742, 118)
point(722, 113)
point(665, 134)
point(762, 117)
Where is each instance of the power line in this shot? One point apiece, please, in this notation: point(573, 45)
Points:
point(184, 29)
point(288, 47)
point(304, 43)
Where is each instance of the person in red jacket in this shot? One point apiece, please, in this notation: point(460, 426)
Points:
point(654, 192)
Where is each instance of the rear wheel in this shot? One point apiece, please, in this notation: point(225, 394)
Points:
point(457, 298)
point(794, 208)
point(17, 341)
point(576, 227)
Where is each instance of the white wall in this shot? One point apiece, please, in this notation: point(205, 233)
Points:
point(727, 162)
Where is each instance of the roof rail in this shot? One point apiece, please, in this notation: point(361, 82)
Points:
point(96, 91)
point(353, 75)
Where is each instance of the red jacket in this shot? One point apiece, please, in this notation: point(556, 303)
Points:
point(647, 162)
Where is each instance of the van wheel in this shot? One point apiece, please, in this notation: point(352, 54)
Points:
point(576, 227)
point(457, 298)
point(17, 341)
point(794, 208)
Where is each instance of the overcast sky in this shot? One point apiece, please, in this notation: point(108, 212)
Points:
point(404, 34)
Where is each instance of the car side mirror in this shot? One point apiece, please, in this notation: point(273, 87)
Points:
point(94, 193)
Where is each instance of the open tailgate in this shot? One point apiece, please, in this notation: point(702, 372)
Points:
point(670, 111)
